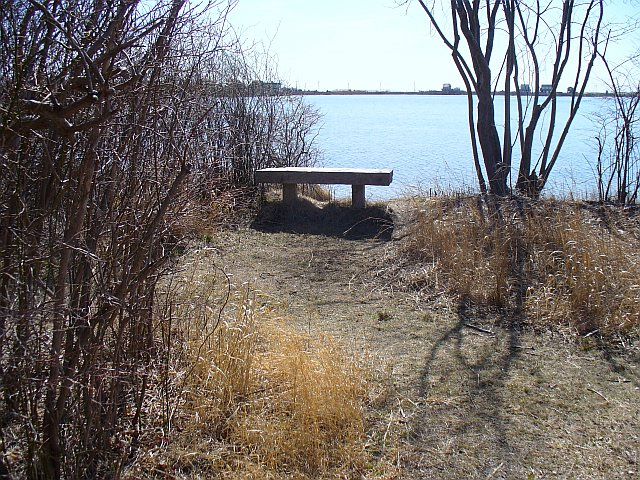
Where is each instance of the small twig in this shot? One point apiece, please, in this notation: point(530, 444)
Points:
point(621, 380)
point(411, 401)
point(351, 280)
point(495, 470)
point(598, 393)
point(479, 329)
point(525, 350)
point(384, 437)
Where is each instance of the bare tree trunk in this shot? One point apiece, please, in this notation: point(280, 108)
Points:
point(497, 172)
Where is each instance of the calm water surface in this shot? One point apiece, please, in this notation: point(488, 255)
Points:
point(425, 140)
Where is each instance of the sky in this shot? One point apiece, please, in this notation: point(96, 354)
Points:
point(365, 44)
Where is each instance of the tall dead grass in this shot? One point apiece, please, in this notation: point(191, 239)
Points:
point(554, 263)
point(249, 396)
point(316, 192)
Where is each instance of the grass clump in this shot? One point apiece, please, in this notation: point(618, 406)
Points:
point(316, 192)
point(553, 263)
point(309, 418)
point(249, 396)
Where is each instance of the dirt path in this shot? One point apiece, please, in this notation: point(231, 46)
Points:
point(464, 396)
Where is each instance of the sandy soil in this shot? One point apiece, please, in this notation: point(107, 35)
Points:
point(460, 394)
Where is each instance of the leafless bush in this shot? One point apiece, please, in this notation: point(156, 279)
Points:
point(254, 124)
point(618, 164)
point(107, 111)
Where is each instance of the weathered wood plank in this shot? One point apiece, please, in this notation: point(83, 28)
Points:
point(325, 176)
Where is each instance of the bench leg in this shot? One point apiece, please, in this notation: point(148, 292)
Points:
point(289, 193)
point(357, 196)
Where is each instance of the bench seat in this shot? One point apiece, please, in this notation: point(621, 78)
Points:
point(290, 177)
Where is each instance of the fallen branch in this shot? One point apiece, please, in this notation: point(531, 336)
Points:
point(479, 329)
point(598, 393)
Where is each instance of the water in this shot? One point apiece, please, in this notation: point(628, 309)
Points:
point(425, 140)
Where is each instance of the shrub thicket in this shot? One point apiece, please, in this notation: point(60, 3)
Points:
point(114, 118)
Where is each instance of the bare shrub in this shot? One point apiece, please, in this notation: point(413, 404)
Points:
point(251, 124)
point(618, 163)
point(95, 151)
point(108, 117)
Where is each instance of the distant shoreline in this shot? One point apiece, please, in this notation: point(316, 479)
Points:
point(430, 92)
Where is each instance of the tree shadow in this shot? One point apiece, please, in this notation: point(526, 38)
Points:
point(485, 398)
point(481, 359)
point(331, 219)
point(620, 360)
point(478, 364)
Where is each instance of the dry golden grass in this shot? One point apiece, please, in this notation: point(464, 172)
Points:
point(556, 263)
point(205, 214)
point(312, 191)
point(309, 415)
point(316, 192)
point(251, 396)
point(453, 402)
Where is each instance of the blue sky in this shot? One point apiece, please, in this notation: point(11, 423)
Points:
point(363, 44)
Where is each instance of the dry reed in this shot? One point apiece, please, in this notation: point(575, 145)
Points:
point(252, 397)
point(316, 192)
point(553, 263)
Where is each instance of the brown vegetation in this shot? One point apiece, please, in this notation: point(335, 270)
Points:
point(548, 263)
point(126, 131)
point(455, 386)
point(114, 127)
point(248, 395)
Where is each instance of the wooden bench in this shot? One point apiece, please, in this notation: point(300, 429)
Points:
point(290, 177)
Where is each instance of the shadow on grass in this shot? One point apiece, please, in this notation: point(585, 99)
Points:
point(333, 220)
point(463, 384)
point(623, 361)
point(467, 421)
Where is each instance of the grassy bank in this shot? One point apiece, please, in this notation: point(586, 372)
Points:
point(255, 385)
point(547, 263)
point(244, 394)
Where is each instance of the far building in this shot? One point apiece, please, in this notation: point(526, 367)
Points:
point(448, 89)
point(525, 89)
point(546, 89)
point(258, 87)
